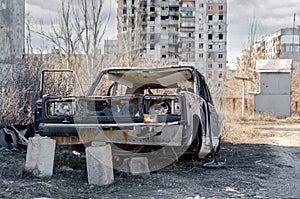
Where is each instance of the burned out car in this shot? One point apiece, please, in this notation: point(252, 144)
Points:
point(129, 108)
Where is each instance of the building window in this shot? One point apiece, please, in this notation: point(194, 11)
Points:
point(163, 47)
point(221, 7)
point(210, 36)
point(220, 56)
point(210, 7)
point(210, 27)
point(152, 46)
point(152, 28)
point(220, 66)
point(209, 65)
point(221, 17)
point(152, 18)
point(209, 56)
point(152, 9)
point(164, 56)
point(221, 36)
point(210, 46)
point(200, 16)
point(201, 55)
point(202, 5)
point(124, 10)
point(190, 34)
point(152, 37)
point(201, 46)
point(124, 2)
point(210, 17)
point(200, 36)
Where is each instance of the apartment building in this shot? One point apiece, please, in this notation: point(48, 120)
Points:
point(187, 32)
point(283, 44)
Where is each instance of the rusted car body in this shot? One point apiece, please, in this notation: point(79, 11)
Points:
point(169, 106)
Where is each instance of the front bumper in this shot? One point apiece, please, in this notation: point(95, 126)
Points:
point(158, 134)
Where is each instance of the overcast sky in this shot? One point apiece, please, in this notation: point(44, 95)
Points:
point(271, 15)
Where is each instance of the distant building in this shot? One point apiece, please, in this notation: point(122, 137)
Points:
point(110, 53)
point(187, 32)
point(283, 44)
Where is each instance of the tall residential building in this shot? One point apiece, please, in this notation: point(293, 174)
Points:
point(283, 44)
point(188, 32)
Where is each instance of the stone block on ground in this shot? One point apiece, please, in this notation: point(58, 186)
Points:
point(139, 165)
point(99, 165)
point(40, 156)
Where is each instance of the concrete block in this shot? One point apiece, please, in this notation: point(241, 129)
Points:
point(139, 165)
point(40, 156)
point(99, 165)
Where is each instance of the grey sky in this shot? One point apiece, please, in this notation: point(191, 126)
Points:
point(271, 15)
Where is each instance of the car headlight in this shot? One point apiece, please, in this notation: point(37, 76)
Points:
point(61, 109)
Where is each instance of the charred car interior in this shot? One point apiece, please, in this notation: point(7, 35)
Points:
point(169, 106)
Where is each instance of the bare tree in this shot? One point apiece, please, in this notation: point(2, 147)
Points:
point(91, 26)
point(63, 34)
point(81, 29)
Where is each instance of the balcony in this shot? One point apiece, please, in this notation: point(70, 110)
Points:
point(173, 3)
point(185, 24)
point(173, 13)
point(173, 22)
point(164, 13)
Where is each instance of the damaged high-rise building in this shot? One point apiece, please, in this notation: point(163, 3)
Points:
point(187, 32)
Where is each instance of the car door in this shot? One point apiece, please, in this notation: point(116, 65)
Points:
point(213, 120)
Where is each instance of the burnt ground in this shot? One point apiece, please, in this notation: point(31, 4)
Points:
point(262, 161)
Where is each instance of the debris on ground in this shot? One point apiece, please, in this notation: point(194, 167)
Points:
point(15, 137)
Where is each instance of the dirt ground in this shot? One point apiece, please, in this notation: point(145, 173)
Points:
point(262, 161)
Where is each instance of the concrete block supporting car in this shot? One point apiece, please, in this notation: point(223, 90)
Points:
point(132, 108)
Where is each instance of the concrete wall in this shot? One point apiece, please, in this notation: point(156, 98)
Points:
point(12, 22)
point(12, 42)
point(275, 95)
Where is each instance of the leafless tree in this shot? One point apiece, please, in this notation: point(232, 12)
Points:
point(90, 25)
point(81, 29)
point(63, 34)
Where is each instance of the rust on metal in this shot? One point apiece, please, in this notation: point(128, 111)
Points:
point(111, 132)
point(125, 135)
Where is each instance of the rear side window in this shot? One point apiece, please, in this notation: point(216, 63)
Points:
point(204, 90)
